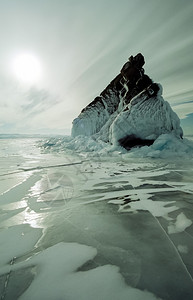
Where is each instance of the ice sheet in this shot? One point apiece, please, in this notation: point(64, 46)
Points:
point(110, 226)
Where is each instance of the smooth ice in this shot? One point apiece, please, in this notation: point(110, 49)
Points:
point(114, 226)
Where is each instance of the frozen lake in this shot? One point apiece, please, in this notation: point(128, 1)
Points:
point(94, 227)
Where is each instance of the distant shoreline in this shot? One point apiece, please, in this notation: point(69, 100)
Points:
point(24, 136)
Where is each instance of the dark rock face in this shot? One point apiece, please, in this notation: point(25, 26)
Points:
point(132, 70)
point(128, 83)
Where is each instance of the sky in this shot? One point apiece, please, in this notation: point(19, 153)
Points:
point(74, 48)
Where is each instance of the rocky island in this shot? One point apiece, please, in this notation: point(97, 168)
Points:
point(130, 111)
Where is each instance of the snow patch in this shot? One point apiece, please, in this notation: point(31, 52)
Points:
point(182, 222)
point(56, 270)
point(156, 208)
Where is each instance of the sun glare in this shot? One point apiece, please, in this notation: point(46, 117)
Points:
point(27, 68)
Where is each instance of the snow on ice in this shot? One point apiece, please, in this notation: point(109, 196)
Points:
point(182, 222)
point(56, 276)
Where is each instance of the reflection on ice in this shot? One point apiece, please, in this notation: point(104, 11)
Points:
point(32, 218)
point(53, 187)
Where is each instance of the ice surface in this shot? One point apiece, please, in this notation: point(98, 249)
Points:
point(118, 225)
point(183, 249)
point(14, 241)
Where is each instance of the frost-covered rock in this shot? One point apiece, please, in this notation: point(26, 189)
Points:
point(95, 115)
point(143, 120)
point(130, 111)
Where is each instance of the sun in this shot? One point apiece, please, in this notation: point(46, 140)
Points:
point(27, 68)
